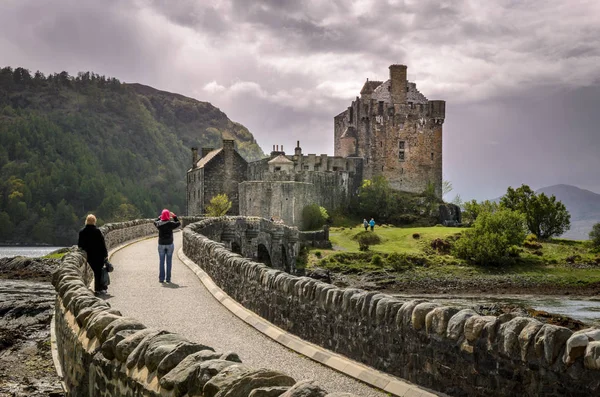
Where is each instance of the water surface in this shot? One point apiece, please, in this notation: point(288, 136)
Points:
point(28, 251)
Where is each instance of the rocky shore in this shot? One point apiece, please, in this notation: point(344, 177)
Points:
point(26, 307)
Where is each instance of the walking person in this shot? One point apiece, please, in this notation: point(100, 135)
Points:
point(92, 242)
point(372, 224)
point(165, 224)
point(365, 224)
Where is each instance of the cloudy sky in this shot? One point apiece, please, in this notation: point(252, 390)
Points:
point(521, 77)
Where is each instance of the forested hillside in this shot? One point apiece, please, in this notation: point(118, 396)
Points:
point(74, 145)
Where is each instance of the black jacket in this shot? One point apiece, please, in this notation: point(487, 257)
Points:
point(92, 242)
point(165, 230)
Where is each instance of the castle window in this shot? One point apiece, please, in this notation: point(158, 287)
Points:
point(277, 168)
point(412, 105)
point(380, 144)
point(401, 145)
point(306, 167)
point(382, 168)
point(432, 156)
point(380, 108)
point(351, 114)
point(421, 107)
point(401, 155)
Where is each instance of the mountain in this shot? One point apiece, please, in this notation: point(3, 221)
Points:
point(74, 145)
point(583, 205)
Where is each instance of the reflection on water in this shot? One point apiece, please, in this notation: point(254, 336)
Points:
point(586, 310)
point(31, 252)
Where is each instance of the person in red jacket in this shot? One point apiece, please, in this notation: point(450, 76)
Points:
point(165, 226)
point(92, 242)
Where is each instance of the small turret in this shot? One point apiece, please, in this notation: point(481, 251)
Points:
point(398, 83)
point(194, 157)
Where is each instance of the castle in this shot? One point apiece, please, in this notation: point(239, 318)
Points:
point(390, 130)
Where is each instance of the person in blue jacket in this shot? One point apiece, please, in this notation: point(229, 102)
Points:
point(372, 224)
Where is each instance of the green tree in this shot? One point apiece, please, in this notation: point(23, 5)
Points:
point(489, 240)
point(376, 198)
point(446, 187)
point(219, 205)
point(312, 217)
point(7, 228)
point(545, 216)
point(473, 208)
point(595, 235)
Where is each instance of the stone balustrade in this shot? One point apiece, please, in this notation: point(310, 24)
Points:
point(103, 353)
point(457, 352)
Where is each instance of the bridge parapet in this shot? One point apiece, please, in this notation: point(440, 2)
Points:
point(103, 353)
point(458, 352)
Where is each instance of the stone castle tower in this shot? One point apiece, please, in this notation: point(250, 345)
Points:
point(396, 130)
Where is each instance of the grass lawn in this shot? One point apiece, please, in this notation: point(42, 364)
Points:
point(547, 265)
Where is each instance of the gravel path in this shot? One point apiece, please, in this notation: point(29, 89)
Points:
point(187, 308)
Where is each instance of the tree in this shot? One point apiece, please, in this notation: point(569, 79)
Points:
point(218, 206)
point(446, 187)
point(595, 235)
point(375, 198)
point(489, 240)
point(472, 209)
point(545, 216)
point(313, 217)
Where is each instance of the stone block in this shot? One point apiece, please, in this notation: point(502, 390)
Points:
point(591, 359)
point(456, 323)
point(420, 312)
point(550, 341)
point(305, 388)
point(578, 342)
point(508, 336)
point(436, 321)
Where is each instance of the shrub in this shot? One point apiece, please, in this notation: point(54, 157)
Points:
point(312, 217)
point(514, 251)
point(489, 240)
point(218, 206)
point(376, 260)
point(531, 242)
point(416, 236)
point(595, 236)
point(440, 245)
point(318, 254)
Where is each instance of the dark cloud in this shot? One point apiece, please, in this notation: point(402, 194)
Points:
point(520, 77)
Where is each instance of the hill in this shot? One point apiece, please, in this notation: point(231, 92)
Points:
point(583, 205)
point(74, 145)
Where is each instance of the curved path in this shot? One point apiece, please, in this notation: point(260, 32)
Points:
point(186, 307)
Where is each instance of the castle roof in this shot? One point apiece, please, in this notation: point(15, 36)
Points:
point(281, 159)
point(369, 87)
point(206, 159)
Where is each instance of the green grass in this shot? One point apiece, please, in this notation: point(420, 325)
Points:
point(395, 239)
point(551, 268)
point(54, 255)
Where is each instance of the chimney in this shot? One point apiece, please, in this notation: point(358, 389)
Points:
point(398, 83)
point(298, 149)
point(228, 145)
point(194, 157)
point(206, 150)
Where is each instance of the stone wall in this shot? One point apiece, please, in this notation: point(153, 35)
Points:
point(105, 354)
point(457, 352)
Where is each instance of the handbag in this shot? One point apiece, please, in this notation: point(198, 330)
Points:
point(108, 266)
point(105, 278)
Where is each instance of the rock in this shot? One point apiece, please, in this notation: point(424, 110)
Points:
point(475, 325)
point(320, 274)
point(527, 340)
point(158, 348)
point(180, 352)
point(108, 348)
point(221, 380)
point(591, 359)
point(456, 324)
point(508, 336)
point(118, 325)
point(578, 342)
point(305, 388)
point(100, 322)
point(242, 386)
point(128, 345)
point(550, 340)
point(274, 391)
point(436, 320)
point(404, 316)
point(191, 376)
point(419, 313)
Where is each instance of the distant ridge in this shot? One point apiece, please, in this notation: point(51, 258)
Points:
point(583, 205)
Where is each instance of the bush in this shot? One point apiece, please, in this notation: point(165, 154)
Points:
point(318, 254)
point(441, 246)
point(218, 206)
point(400, 261)
point(366, 239)
point(416, 236)
point(489, 240)
point(376, 260)
point(595, 236)
point(312, 217)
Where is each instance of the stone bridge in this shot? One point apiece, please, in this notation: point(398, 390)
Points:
point(105, 350)
point(259, 239)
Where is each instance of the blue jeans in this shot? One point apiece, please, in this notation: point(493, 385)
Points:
point(165, 251)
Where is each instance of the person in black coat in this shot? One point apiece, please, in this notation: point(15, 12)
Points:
point(165, 226)
point(92, 242)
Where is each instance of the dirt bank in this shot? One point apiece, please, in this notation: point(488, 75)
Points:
point(26, 367)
